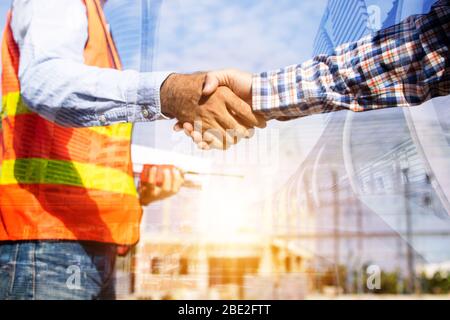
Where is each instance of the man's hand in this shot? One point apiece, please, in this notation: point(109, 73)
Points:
point(221, 118)
point(240, 83)
point(156, 183)
point(159, 182)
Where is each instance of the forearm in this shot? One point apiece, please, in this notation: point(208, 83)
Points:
point(402, 66)
point(77, 95)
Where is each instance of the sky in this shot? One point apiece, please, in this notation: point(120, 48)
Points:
point(200, 34)
point(252, 35)
point(4, 6)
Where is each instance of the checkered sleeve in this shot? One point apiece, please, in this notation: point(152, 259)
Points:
point(400, 66)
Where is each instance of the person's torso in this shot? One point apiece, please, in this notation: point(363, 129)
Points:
point(65, 183)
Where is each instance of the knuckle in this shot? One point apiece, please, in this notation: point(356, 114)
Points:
point(223, 91)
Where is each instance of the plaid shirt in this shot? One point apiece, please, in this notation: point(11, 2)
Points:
point(400, 66)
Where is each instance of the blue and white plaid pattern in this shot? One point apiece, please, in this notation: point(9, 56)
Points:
point(400, 66)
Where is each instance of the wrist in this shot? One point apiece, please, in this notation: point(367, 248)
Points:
point(167, 95)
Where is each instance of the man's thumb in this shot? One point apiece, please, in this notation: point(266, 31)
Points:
point(210, 85)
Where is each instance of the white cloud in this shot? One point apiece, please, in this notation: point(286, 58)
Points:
point(199, 35)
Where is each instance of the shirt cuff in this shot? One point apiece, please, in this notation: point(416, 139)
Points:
point(143, 97)
point(285, 94)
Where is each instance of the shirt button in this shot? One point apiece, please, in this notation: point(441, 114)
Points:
point(145, 113)
point(102, 119)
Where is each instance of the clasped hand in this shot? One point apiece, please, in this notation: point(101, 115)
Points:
point(214, 108)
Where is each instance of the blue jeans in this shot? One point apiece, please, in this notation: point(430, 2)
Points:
point(53, 270)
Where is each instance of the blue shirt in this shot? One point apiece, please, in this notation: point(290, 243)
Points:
point(55, 82)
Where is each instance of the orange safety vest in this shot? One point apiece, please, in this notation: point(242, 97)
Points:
point(64, 183)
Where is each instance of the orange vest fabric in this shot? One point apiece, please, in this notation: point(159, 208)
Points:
point(63, 183)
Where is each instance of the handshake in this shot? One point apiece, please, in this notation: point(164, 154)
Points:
point(213, 108)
